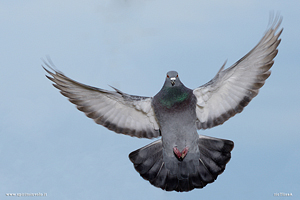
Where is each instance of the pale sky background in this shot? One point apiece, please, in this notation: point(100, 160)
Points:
point(48, 146)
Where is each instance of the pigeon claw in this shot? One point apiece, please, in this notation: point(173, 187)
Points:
point(180, 155)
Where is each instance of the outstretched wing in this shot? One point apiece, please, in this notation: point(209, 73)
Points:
point(233, 88)
point(117, 111)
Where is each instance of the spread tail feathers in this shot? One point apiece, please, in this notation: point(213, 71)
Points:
point(195, 171)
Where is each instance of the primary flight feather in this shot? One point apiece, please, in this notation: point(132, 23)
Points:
point(181, 160)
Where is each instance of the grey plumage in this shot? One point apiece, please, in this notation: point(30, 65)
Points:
point(181, 160)
point(196, 170)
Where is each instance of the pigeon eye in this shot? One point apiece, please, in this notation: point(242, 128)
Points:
point(168, 76)
point(177, 76)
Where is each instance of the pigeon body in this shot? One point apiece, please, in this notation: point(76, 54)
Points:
point(181, 160)
point(176, 163)
point(175, 110)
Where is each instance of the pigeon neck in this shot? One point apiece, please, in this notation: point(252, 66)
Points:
point(173, 95)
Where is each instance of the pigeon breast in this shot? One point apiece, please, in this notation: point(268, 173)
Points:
point(174, 108)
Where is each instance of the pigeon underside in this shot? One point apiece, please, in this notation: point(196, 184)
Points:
point(185, 175)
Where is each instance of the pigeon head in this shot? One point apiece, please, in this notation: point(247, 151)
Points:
point(172, 79)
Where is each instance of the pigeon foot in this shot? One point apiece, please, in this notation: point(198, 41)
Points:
point(180, 155)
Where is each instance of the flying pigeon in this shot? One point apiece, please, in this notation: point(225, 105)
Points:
point(181, 160)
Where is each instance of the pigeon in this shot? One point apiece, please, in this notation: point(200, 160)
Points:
point(181, 159)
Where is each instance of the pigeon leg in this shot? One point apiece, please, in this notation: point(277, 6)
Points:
point(180, 154)
point(184, 152)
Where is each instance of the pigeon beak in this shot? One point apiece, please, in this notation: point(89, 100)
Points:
point(173, 79)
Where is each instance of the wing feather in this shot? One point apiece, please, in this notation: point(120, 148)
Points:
point(117, 111)
point(233, 88)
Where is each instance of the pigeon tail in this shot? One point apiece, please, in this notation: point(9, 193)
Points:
point(196, 170)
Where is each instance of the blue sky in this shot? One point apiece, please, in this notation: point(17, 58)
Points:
point(48, 146)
